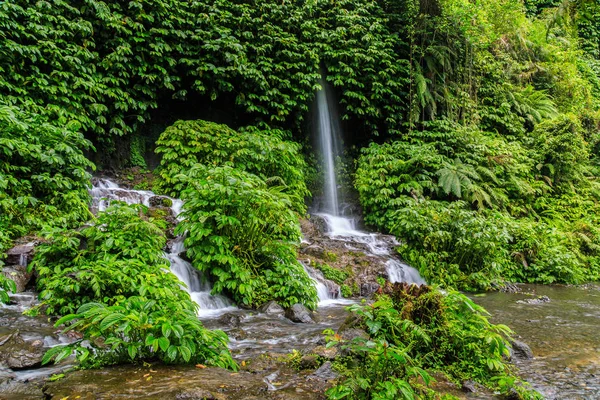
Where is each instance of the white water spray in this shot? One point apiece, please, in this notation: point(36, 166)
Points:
point(340, 227)
point(328, 144)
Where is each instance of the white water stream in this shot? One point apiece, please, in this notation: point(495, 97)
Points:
point(340, 227)
point(105, 190)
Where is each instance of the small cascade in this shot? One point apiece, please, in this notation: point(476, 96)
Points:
point(104, 191)
point(400, 272)
point(198, 288)
point(328, 291)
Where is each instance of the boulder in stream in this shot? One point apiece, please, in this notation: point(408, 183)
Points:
point(18, 273)
point(17, 353)
point(271, 308)
point(231, 320)
point(299, 313)
point(520, 350)
point(21, 254)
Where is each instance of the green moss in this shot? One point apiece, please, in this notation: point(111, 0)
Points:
point(332, 274)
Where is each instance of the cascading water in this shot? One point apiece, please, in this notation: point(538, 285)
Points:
point(328, 140)
point(341, 227)
point(104, 190)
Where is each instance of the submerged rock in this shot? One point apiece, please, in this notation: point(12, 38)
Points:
point(271, 308)
point(299, 313)
point(538, 300)
point(17, 353)
point(520, 350)
point(231, 320)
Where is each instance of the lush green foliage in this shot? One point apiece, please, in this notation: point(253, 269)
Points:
point(417, 329)
point(264, 154)
point(108, 64)
point(141, 329)
point(242, 232)
point(6, 286)
point(332, 274)
point(495, 179)
point(119, 256)
point(43, 173)
point(112, 282)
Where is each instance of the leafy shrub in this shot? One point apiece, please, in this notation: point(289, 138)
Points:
point(388, 173)
point(414, 329)
point(139, 329)
point(242, 233)
point(43, 173)
point(261, 153)
point(121, 255)
point(6, 285)
point(113, 283)
point(453, 246)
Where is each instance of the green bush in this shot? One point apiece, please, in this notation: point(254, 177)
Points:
point(119, 256)
point(242, 233)
point(261, 153)
point(6, 286)
point(332, 274)
point(112, 283)
point(43, 173)
point(139, 329)
point(415, 329)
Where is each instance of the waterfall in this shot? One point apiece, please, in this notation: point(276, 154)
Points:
point(343, 228)
point(104, 190)
point(328, 139)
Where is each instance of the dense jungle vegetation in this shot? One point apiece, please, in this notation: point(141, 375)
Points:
point(472, 129)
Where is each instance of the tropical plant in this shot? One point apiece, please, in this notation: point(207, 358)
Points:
point(119, 256)
point(412, 330)
point(242, 233)
point(138, 329)
point(262, 153)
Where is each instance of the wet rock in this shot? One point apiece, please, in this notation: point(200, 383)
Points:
point(15, 390)
point(309, 361)
point(469, 387)
point(349, 335)
point(325, 372)
point(538, 300)
point(271, 308)
point(6, 375)
point(20, 255)
point(299, 313)
point(319, 223)
point(198, 394)
point(231, 320)
point(16, 353)
point(160, 201)
point(326, 353)
point(158, 382)
point(367, 289)
point(238, 334)
point(19, 274)
point(520, 350)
